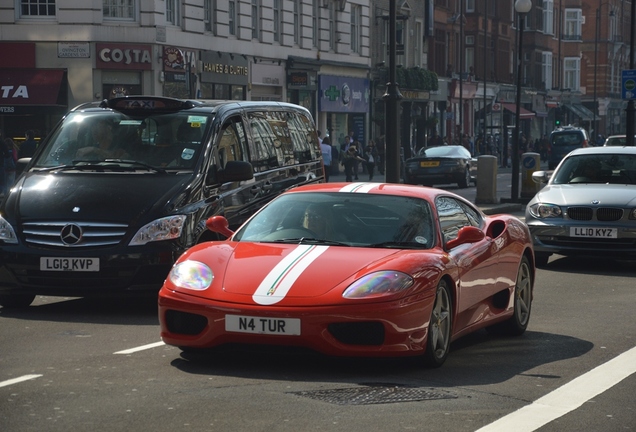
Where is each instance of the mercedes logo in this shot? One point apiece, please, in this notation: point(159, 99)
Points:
point(71, 234)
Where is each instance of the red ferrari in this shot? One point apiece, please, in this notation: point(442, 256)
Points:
point(353, 269)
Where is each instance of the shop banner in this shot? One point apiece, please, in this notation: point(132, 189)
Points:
point(343, 94)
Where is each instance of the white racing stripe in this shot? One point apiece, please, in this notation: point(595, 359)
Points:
point(140, 348)
point(279, 281)
point(567, 398)
point(18, 380)
point(359, 187)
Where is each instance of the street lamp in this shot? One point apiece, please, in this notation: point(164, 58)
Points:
point(522, 7)
point(596, 38)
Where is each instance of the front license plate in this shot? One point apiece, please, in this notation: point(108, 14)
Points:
point(261, 325)
point(69, 264)
point(593, 232)
point(429, 164)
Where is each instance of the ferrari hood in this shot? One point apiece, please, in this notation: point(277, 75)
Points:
point(619, 195)
point(270, 272)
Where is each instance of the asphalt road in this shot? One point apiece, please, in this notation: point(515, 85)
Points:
point(86, 365)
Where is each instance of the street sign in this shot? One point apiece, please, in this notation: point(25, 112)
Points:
point(629, 84)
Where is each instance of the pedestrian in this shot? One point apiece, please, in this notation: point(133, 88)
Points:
point(28, 147)
point(349, 159)
point(356, 166)
point(10, 159)
point(371, 156)
point(319, 136)
point(325, 148)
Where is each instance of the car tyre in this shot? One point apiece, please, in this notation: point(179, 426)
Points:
point(439, 327)
point(16, 300)
point(517, 324)
point(465, 180)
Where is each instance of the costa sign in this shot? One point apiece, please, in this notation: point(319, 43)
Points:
point(124, 56)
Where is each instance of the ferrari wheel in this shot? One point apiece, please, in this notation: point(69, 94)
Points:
point(16, 300)
point(439, 328)
point(516, 325)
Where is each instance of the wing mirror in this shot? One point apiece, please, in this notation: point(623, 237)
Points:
point(467, 234)
point(219, 224)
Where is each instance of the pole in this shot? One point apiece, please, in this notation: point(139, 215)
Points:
point(596, 36)
point(461, 71)
point(515, 139)
point(391, 101)
point(485, 68)
point(629, 140)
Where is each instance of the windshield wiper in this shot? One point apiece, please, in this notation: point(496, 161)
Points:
point(110, 164)
point(310, 240)
point(138, 164)
point(398, 244)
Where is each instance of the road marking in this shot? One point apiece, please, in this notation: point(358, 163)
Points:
point(567, 398)
point(140, 348)
point(19, 379)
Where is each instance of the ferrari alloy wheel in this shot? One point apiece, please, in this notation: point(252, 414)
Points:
point(516, 325)
point(439, 327)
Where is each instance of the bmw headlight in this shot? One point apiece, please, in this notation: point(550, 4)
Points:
point(632, 214)
point(161, 229)
point(543, 210)
point(378, 284)
point(7, 234)
point(192, 275)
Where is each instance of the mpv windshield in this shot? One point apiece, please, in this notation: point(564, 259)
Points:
point(165, 140)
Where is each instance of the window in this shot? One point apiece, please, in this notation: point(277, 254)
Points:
point(119, 9)
point(231, 19)
point(470, 58)
point(256, 19)
point(417, 46)
point(355, 28)
point(297, 16)
point(546, 69)
point(173, 15)
point(451, 217)
point(278, 20)
point(548, 17)
point(571, 73)
point(470, 5)
point(37, 8)
point(573, 22)
point(332, 25)
point(209, 15)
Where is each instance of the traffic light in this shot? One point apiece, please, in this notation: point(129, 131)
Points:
point(558, 114)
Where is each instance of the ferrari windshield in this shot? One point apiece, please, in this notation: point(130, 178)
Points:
point(597, 168)
point(163, 140)
point(364, 220)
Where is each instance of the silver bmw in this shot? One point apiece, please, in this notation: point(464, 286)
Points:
point(588, 205)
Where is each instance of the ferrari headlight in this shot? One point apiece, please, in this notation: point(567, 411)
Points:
point(161, 229)
point(192, 275)
point(378, 284)
point(7, 234)
point(543, 210)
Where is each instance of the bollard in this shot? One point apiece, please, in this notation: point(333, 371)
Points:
point(530, 162)
point(486, 180)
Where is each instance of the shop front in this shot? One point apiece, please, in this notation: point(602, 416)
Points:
point(30, 98)
point(121, 68)
point(345, 103)
point(224, 76)
point(267, 83)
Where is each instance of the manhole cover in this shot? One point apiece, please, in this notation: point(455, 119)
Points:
point(375, 395)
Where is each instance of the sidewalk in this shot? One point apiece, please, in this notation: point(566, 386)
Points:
point(468, 193)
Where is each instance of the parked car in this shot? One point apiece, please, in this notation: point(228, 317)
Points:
point(563, 140)
point(588, 206)
point(353, 269)
point(121, 188)
point(441, 165)
point(616, 140)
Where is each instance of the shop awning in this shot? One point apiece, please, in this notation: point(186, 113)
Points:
point(523, 113)
point(32, 87)
point(551, 104)
point(580, 111)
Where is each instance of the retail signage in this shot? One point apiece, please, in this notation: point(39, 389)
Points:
point(223, 68)
point(30, 87)
point(124, 56)
point(73, 50)
point(343, 94)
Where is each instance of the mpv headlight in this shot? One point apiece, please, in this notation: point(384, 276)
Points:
point(7, 234)
point(167, 228)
